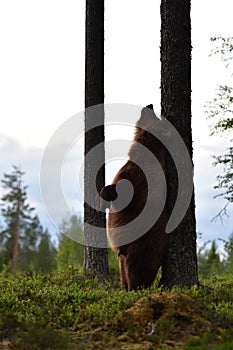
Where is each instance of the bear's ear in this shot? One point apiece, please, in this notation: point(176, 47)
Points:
point(106, 196)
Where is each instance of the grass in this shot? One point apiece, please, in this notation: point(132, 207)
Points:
point(69, 312)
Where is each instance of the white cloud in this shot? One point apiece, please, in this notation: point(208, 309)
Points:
point(13, 153)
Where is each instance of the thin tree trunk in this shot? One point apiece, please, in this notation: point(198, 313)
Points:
point(95, 258)
point(180, 266)
point(16, 238)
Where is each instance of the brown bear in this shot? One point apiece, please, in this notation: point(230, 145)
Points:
point(135, 233)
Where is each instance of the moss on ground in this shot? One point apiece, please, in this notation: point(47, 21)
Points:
point(56, 312)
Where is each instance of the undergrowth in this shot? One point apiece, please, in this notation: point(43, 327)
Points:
point(72, 311)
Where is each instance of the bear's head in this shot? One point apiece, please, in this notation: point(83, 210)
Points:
point(150, 122)
point(151, 131)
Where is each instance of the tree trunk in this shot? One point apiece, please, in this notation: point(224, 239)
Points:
point(16, 238)
point(180, 265)
point(95, 258)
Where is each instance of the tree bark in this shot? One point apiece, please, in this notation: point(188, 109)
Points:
point(95, 258)
point(180, 265)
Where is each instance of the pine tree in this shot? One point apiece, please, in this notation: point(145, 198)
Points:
point(16, 212)
point(22, 233)
point(95, 255)
point(180, 265)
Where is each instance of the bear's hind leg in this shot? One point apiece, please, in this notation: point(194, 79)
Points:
point(141, 271)
point(123, 272)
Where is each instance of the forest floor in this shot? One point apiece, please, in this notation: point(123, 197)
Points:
point(77, 313)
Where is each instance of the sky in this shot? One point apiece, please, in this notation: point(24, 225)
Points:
point(42, 86)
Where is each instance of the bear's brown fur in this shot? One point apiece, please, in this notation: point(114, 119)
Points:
point(141, 258)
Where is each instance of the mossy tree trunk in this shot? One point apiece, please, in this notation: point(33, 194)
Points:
point(95, 258)
point(180, 265)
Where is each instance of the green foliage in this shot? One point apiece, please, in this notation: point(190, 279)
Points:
point(41, 337)
point(210, 341)
point(225, 181)
point(45, 255)
point(113, 261)
point(228, 247)
point(60, 301)
point(223, 46)
point(220, 108)
point(209, 262)
point(77, 312)
point(70, 253)
point(220, 111)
